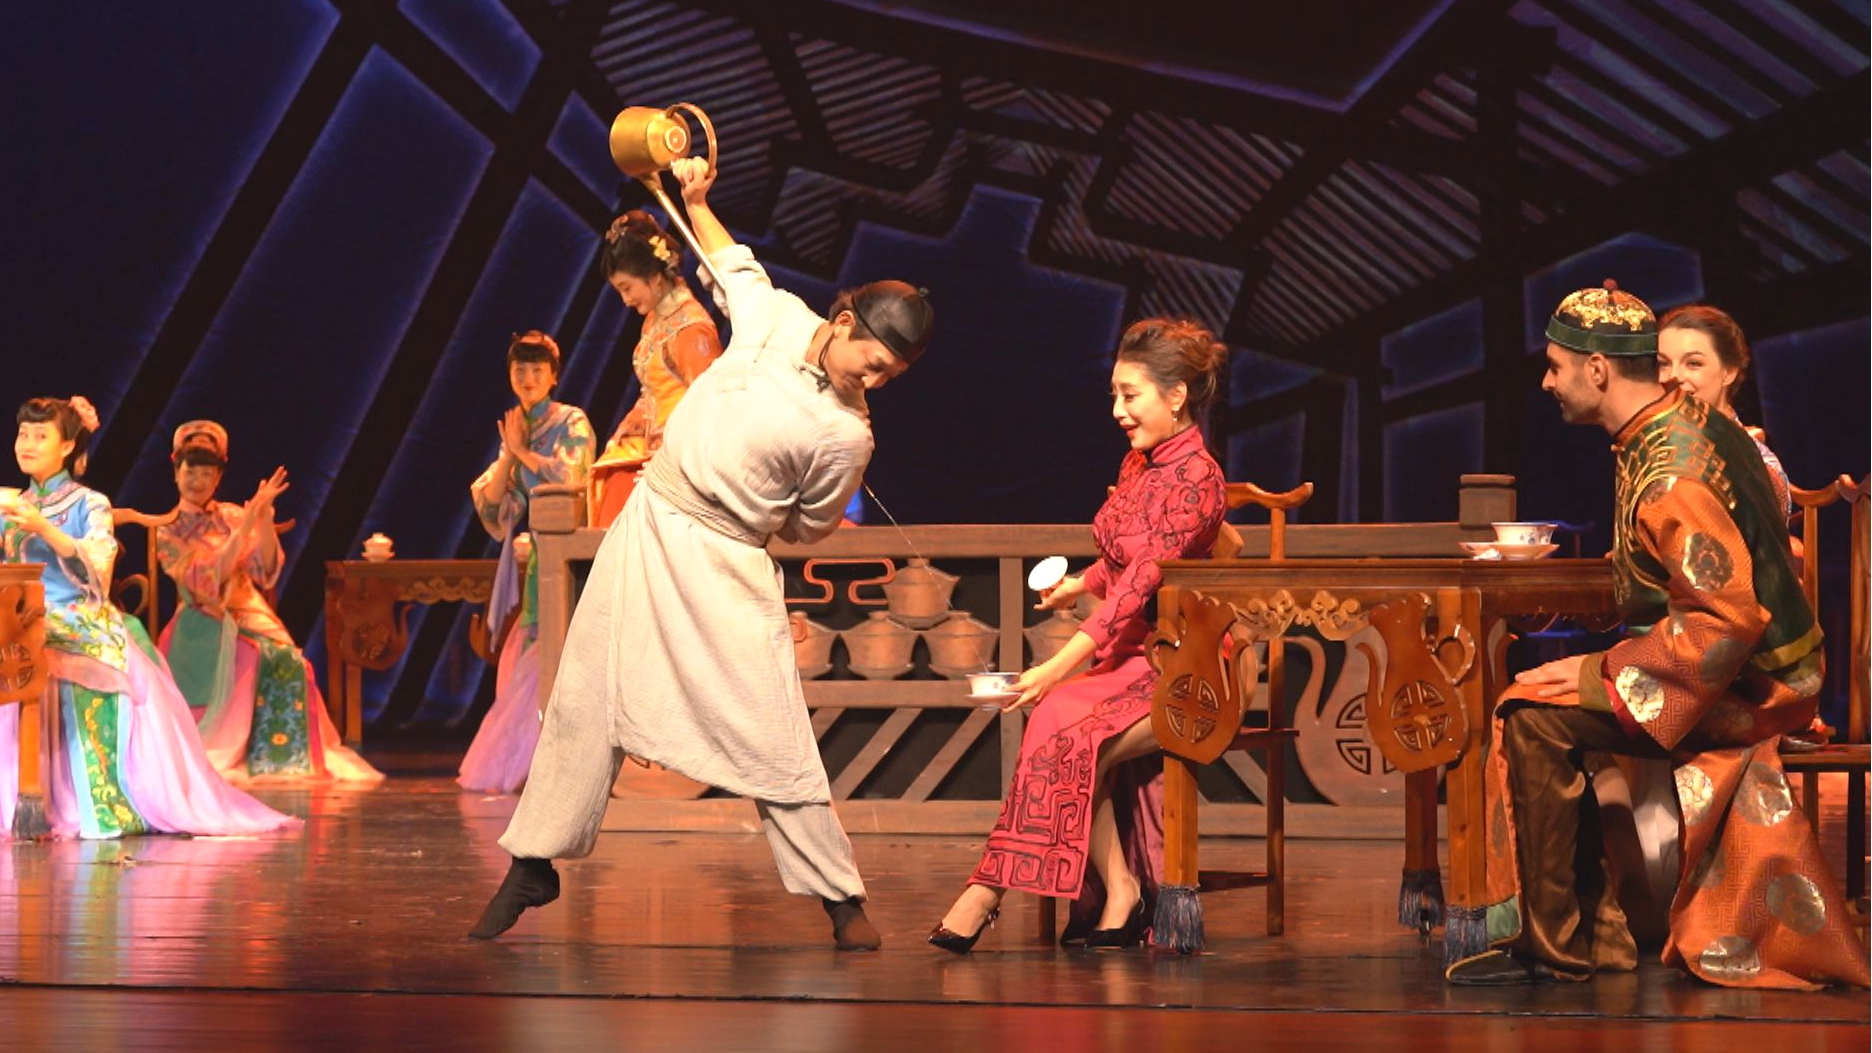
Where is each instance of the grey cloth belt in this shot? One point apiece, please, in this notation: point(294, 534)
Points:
point(698, 508)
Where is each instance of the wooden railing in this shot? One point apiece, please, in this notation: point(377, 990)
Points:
point(905, 755)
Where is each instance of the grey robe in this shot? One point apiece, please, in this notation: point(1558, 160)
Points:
point(681, 627)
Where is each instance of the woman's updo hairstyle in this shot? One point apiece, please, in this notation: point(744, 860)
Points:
point(636, 245)
point(893, 313)
point(1724, 334)
point(1172, 351)
point(75, 419)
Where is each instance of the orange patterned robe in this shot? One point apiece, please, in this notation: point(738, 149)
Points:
point(1721, 658)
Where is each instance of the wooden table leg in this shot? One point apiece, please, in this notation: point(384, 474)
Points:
point(1179, 922)
point(555, 607)
point(337, 678)
point(25, 682)
point(1855, 834)
point(353, 705)
point(1420, 895)
point(1276, 809)
point(1465, 931)
point(31, 816)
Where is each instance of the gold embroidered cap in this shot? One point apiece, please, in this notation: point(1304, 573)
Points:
point(201, 433)
point(1607, 321)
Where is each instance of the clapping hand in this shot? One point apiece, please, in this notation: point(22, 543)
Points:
point(513, 432)
point(261, 504)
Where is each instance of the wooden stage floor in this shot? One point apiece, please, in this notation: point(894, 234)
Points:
point(350, 935)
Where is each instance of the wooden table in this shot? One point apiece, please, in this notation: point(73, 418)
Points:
point(23, 679)
point(366, 629)
point(1485, 600)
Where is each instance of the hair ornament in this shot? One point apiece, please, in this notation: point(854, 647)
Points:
point(87, 413)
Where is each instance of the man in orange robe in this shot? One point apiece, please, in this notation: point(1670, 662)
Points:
point(1721, 658)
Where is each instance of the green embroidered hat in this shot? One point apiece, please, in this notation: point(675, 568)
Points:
point(1605, 321)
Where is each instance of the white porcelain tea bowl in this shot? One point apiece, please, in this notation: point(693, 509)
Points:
point(1523, 533)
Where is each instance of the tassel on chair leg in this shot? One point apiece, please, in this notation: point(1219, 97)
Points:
point(1178, 925)
point(1420, 900)
point(29, 818)
point(1465, 934)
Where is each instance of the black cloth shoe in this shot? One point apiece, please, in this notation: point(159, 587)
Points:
point(851, 930)
point(529, 883)
point(1496, 969)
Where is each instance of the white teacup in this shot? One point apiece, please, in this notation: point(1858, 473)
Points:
point(1523, 533)
point(9, 495)
point(991, 683)
point(378, 547)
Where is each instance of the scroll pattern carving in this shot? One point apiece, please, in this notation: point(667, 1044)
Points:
point(22, 643)
point(1197, 714)
point(1414, 711)
point(372, 633)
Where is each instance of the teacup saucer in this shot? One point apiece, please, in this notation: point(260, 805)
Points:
point(1525, 551)
point(993, 699)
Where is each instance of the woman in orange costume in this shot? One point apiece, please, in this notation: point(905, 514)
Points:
point(644, 264)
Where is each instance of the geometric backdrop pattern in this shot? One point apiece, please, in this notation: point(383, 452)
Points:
point(322, 227)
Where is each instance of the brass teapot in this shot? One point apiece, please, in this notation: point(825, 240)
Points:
point(646, 140)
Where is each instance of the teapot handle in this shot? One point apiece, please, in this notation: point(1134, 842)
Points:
point(708, 127)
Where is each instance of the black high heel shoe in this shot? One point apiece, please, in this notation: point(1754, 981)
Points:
point(955, 942)
point(1130, 934)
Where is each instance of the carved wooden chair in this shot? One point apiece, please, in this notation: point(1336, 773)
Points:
point(1198, 715)
point(1849, 753)
point(138, 594)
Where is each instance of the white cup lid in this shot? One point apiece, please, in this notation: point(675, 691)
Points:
point(1047, 573)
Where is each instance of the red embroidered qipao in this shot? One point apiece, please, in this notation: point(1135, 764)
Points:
point(1168, 504)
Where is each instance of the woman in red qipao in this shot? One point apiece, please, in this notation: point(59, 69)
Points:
point(1088, 785)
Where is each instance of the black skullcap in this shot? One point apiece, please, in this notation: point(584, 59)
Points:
point(898, 315)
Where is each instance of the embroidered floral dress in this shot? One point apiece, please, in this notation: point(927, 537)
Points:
point(678, 342)
point(127, 759)
point(1168, 504)
point(257, 700)
point(502, 751)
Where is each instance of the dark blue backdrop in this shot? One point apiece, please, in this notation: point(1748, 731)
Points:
point(143, 143)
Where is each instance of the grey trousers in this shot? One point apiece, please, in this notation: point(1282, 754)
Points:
point(569, 785)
